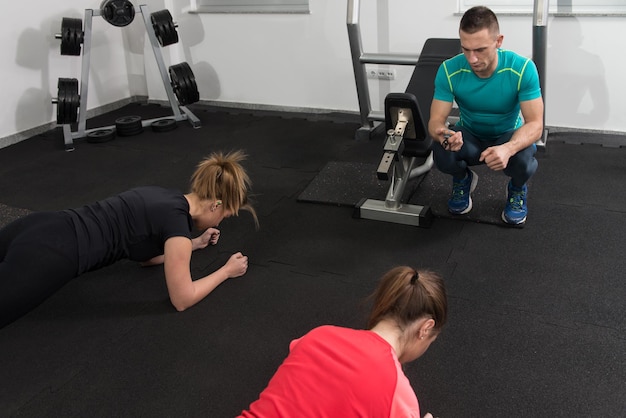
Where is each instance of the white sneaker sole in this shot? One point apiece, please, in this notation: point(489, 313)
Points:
point(513, 223)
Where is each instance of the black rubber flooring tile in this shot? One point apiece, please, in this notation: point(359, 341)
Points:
point(581, 175)
point(9, 214)
point(516, 363)
point(536, 319)
point(345, 183)
point(560, 268)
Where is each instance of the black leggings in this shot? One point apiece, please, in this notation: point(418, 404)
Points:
point(38, 255)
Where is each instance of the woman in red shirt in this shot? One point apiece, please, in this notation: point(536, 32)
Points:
point(341, 372)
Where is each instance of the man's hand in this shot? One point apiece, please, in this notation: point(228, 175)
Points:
point(496, 157)
point(450, 140)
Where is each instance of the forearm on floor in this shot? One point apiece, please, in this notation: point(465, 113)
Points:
point(201, 288)
point(155, 261)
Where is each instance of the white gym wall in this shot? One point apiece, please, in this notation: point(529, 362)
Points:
point(290, 61)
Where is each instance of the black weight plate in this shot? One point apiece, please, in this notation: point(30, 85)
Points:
point(77, 35)
point(76, 102)
point(164, 27)
point(118, 12)
point(73, 99)
point(179, 84)
point(162, 35)
point(66, 39)
point(192, 88)
point(184, 83)
point(67, 100)
point(71, 42)
point(78, 26)
point(158, 32)
point(129, 125)
point(161, 16)
point(173, 34)
point(66, 26)
point(61, 91)
point(128, 120)
point(71, 36)
point(101, 135)
point(170, 36)
point(164, 125)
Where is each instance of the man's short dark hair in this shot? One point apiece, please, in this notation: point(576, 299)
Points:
point(478, 18)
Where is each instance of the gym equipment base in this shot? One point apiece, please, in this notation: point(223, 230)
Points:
point(406, 214)
point(69, 136)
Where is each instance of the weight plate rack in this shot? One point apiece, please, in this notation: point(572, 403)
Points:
point(71, 101)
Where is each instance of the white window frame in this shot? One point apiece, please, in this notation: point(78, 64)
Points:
point(249, 6)
point(557, 7)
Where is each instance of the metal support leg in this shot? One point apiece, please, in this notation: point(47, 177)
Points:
point(356, 49)
point(84, 74)
point(160, 63)
point(540, 42)
point(67, 138)
point(193, 119)
point(392, 209)
point(369, 118)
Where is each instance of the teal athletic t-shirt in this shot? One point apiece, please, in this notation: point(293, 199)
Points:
point(488, 107)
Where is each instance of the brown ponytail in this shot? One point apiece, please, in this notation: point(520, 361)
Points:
point(406, 294)
point(222, 177)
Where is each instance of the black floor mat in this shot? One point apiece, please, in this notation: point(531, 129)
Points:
point(9, 214)
point(346, 183)
point(536, 318)
point(488, 199)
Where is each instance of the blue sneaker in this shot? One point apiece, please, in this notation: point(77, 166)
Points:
point(515, 211)
point(461, 200)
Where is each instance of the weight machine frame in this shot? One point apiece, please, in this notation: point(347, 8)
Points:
point(180, 112)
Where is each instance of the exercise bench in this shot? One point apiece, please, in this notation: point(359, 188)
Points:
point(407, 151)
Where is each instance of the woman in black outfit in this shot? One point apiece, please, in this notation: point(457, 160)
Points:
point(41, 252)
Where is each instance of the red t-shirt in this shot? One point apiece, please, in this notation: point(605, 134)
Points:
point(337, 372)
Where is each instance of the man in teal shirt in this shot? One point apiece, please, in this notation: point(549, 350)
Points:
point(501, 115)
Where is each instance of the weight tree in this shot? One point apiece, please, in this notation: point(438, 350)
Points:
point(180, 87)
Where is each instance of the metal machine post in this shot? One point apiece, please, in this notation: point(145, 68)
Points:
point(540, 41)
point(359, 59)
point(356, 48)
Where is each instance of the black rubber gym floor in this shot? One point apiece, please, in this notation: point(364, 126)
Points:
point(537, 315)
